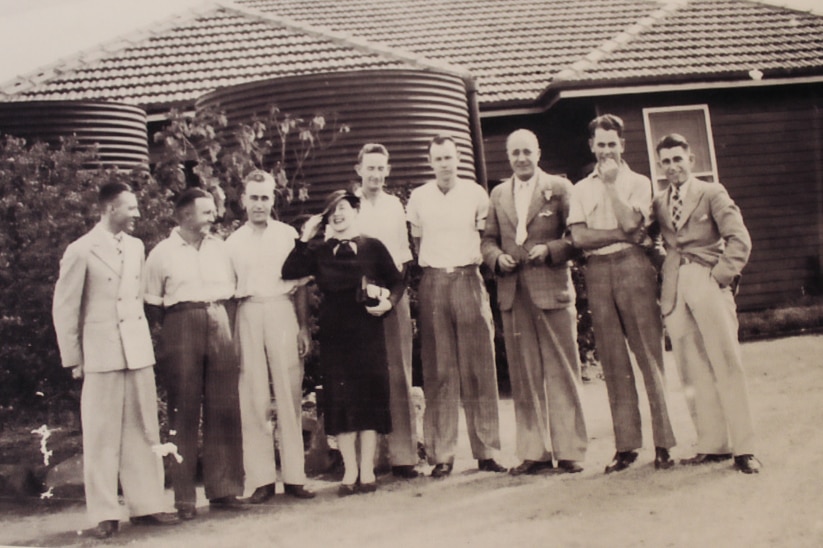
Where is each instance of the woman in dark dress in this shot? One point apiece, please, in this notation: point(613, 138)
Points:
point(360, 283)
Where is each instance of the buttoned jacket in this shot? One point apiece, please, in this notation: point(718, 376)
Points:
point(712, 233)
point(549, 283)
point(98, 305)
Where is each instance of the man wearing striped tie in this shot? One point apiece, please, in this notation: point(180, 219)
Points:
point(707, 246)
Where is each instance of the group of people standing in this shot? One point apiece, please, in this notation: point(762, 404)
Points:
point(235, 313)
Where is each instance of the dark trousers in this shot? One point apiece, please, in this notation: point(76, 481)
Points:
point(200, 366)
point(622, 290)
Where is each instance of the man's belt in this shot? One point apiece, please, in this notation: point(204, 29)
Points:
point(689, 258)
point(194, 305)
point(451, 269)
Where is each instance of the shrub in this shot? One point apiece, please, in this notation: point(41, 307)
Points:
point(47, 200)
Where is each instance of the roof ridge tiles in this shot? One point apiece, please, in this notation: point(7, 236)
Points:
point(620, 40)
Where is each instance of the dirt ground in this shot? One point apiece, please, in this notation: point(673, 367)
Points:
point(688, 506)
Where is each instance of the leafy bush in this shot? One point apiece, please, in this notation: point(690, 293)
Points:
point(48, 199)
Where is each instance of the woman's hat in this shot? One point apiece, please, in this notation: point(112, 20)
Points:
point(335, 197)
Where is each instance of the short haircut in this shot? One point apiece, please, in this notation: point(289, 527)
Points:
point(672, 140)
point(258, 176)
point(524, 132)
point(372, 148)
point(606, 122)
point(439, 140)
point(110, 191)
point(188, 197)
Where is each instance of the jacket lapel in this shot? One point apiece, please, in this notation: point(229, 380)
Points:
point(507, 201)
point(538, 199)
point(691, 200)
point(104, 250)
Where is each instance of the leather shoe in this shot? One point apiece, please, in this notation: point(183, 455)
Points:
point(347, 489)
point(569, 466)
point(747, 464)
point(187, 513)
point(262, 494)
point(490, 465)
point(106, 529)
point(370, 487)
point(621, 461)
point(227, 503)
point(405, 471)
point(706, 458)
point(662, 459)
point(160, 518)
point(298, 491)
point(442, 469)
point(531, 467)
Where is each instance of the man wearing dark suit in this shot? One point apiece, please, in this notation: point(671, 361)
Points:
point(103, 335)
point(707, 246)
point(524, 243)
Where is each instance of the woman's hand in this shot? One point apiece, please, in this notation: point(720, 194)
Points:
point(311, 227)
point(383, 305)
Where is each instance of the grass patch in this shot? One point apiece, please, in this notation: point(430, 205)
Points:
point(785, 320)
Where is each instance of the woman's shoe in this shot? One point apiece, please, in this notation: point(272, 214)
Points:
point(368, 487)
point(347, 489)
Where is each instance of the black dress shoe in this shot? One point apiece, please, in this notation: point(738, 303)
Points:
point(160, 518)
point(187, 513)
point(370, 487)
point(531, 467)
point(706, 458)
point(662, 459)
point(747, 464)
point(227, 503)
point(262, 494)
point(569, 466)
point(298, 491)
point(621, 461)
point(490, 465)
point(347, 489)
point(442, 469)
point(106, 529)
point(406, 471)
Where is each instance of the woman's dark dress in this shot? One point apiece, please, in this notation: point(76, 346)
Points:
point(352, 347)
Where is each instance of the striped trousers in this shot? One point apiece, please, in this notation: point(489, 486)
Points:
point(457, 351)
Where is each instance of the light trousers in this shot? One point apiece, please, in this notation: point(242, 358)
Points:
point(457, 352)
point(267, 332)
point(118, 411)
point(397, 330)
point(703, 328)
point(544, 368)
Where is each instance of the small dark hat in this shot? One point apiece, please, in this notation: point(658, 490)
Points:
point(335, 197)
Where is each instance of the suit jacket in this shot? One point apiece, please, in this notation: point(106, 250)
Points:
point(711, 233)
point(98, 305)
point(549, 284)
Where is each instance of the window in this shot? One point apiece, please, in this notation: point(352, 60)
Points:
point(693, 123)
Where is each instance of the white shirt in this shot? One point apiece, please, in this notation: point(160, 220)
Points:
point(179, 272)
point(385, 220)
point(258, 257)
point(449, 224)
point(589, 205)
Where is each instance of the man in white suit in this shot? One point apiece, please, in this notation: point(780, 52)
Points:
point(707, 246)
point(525, 244)
point(103, 335)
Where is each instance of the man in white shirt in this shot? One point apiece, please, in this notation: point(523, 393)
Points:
point(272, 340)
point(189, 283)
point(608, 214)
point(382, 217)
point(456, 329)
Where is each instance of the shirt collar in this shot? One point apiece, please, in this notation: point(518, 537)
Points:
point(525, 184)
point(175, 235)
point(684, 187)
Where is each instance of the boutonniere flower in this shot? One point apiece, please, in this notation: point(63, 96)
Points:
point(547, 194)
point(547, 213)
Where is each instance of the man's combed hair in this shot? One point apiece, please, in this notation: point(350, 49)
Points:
point(372, 148)
point(188, 197)
point(440, 139)
point(672, 140)
point(607, 122)
point(109, 191)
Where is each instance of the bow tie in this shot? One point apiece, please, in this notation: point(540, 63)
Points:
point(345, 247)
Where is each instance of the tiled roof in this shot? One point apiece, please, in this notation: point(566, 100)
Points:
point(199, 54)
point(515, 49)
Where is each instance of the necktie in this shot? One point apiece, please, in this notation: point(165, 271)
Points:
point(677, 207)
point(521, 200)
